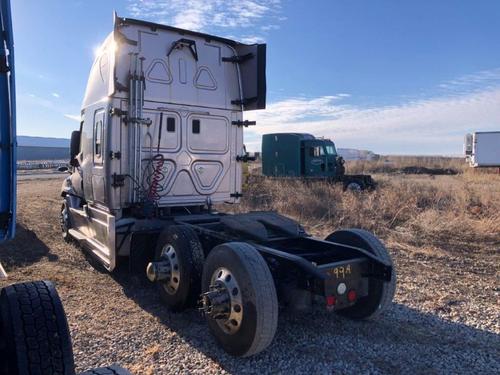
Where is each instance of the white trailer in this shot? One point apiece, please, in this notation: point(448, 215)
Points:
point(482, 149)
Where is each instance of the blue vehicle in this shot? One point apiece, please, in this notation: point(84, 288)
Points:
point(7, 127)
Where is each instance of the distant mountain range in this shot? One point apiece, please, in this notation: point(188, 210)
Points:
point(27, 141)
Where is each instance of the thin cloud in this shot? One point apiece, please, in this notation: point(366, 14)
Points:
point(32, 100)
point(35, 100)
point(76, 118)
point(212, 15)
point(251, 39)
point(474, 82)
point(434, 125)
point(55, 95)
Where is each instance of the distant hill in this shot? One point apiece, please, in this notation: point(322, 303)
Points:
point(28, 141)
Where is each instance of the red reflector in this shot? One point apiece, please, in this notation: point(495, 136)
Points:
point(330, 300)
point(351, 295)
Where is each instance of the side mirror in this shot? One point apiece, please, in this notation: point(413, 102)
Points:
point(74, 147)
point(62, 169)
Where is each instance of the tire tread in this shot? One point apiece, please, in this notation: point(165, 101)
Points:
point(265, 295)
point(39, 334)
point(380, 250)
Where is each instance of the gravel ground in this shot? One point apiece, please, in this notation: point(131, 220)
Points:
point(445, 318)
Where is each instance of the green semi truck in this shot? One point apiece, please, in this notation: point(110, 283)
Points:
point(301, 155)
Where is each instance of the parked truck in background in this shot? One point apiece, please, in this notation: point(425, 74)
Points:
point(482, 149)
point(301, 155)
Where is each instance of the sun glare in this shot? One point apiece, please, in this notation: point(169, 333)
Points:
point(100, 49)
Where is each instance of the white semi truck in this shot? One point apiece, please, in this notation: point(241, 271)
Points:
point(160, 144)
point(482, 149)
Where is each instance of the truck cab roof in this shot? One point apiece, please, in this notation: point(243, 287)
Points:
point(180, 67)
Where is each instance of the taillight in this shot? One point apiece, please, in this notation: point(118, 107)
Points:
point(330, 301)
point(352, 295)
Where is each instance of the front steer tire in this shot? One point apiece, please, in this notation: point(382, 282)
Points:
point(380, 293)
point(34, 334)
point(258, 297)
point(189, 259)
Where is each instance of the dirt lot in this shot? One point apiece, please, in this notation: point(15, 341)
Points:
point(444, 235)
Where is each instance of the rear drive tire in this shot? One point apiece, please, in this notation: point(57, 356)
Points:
point(35, 337)
point(111, 370)
point(180, 245)
point(252, 329)
point(380, 293)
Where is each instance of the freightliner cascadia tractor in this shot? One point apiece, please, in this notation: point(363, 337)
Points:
point(160, 145)
point(301, 155)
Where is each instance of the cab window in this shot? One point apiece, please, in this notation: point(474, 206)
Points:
point(98, 139)
point(316, 151)
point(330, 150)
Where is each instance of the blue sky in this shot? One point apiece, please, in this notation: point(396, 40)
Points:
point(395, 77)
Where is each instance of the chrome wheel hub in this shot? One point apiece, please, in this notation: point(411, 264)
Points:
point(223, 301)
point(166, 270)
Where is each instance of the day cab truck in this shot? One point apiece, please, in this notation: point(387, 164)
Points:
point(159, 149)
point(301, 155)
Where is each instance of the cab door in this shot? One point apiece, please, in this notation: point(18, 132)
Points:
point(315, 160)
point(98, 154)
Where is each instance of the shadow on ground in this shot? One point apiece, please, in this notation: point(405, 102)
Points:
point(26, 249)
point(404, 340)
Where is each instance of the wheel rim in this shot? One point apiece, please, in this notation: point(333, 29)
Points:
point(171, 285)
point(224, 281)
point(354, 186)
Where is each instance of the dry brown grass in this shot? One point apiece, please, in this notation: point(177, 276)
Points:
point(443, 231)
point(460, 211)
